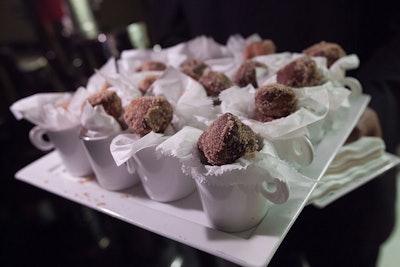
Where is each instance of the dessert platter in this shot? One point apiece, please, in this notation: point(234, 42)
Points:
point(184, 220)
point(168, 179)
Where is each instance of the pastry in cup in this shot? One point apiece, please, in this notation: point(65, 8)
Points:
point(151, 65)
point(301, 72)
point(162, 178)
point(193, 68)
point(111, 103)
point(233, 195)
point(214, 82)
point(146, 82)
point(331, 51)
point(226, 140)
point(247, 73)
point(242, 201)
point(274, 101)
point(148, 113)
point(259, 48)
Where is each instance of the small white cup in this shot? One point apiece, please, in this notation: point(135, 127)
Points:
point(108, 174)
point(298, 151)
point(67, 144)
point(239, 207)
point(354, 85)
point(162, 177)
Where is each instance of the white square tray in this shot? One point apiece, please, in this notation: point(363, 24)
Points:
point(184, 221)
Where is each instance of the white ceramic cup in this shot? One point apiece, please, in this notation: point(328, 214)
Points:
point(239, 207)
point(67, 144)
point(354, 85)
point(298, 151)
point(162, 177)
point(108, 174)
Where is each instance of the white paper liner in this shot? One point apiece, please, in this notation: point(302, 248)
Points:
point(336, 74)
point(124, 146)
point(187, 96)
point(236, 45)
point(42, 110)
point(97, 81)
point(126, 87)
point(132, 59)
point(98, 122)
point(200, 48)
point(245, 171)
point(203, 48)
point(313, 105)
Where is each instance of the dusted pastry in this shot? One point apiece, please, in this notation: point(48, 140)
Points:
point(300, 73)
point(332, 51)
point(148, 113)
point(151, 65)
point(193, 68)
point(110, 101)
point(146, 82)
point(214, 82)
point(246, 74)
point(275, 100)
point(226, 140)
point(258, 48)
point(258, 116)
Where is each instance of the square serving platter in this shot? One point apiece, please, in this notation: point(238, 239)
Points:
point(184, 220)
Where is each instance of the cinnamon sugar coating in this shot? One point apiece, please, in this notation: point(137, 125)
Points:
point(110, 101)
point(275, 100)
point(148, 113)
point(214, 82)
point(246, 74)
point(193, 68)
point(258, 116)
point(332, 51)
point(258, 48)
point(146, 82)
point(300, 73)
point(226, 140)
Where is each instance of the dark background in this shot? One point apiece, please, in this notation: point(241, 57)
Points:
point(38, 53)
point(45, 48)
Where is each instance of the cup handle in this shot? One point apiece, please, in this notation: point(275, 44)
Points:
point(354, 85)
point(130, 166)
point(36, 135)
point(298, 151)
point(279, 195)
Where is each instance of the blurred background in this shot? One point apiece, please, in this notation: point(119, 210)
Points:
point(52, 46)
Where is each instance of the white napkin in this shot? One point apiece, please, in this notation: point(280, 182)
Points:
point(353, 161)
